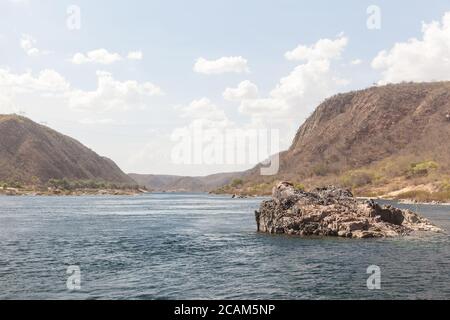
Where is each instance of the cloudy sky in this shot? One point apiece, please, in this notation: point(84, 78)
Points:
point(124, 77)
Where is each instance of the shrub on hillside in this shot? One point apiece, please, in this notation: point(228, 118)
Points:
point(421, 169)
point(65, 184)
point(355, 179)
point(299, 186)
point(320, 169)
point(425, 196)
point(237, 183)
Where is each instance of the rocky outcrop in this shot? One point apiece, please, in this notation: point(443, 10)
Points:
point(332, 211)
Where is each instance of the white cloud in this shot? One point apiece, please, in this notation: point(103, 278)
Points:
point(322, 49)
point(245, 90)
point(20, 92)
point(264, 108)
point(111, 94)
point(47, 82)
point(203, 109)
point(286, 106)
point(309, 83)
point(222, 65)
point(297, 94)
point(88, 116)
point(100, 56)
point(135, 55)
point(28, 44)
point(7, 103)
point(356, 62)
point(425, 59)
point(103, 56)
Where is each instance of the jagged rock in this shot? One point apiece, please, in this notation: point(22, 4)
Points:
point(332, 211)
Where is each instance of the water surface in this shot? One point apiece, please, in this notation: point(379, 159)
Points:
point(189, 246)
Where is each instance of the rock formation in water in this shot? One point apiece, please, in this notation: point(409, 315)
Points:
point(332, 211)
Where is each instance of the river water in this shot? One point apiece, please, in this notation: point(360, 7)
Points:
point(199, 246)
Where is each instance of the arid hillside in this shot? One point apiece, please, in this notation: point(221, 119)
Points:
point(381, 140)
point(31, 153)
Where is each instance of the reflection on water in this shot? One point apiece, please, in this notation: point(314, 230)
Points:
point(186, 246)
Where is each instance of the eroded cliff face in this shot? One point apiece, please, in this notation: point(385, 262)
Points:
point(355, 129)
point(331, 211)
point(371, 130)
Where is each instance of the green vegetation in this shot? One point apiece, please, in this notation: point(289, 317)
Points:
point(299, 186)
point(421, 169)
point(357, 178)
point(260, 189)
point(445, 186)
point(237, 186)
point(376, 180)
point(223, 190)
point(425, 196)
point(402, 167)
point(237, 183)
point(65, 184)
point(68, 187)
point(10, 184)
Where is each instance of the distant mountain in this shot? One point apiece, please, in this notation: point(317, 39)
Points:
point(30, 152)
point(181, 183)
point(375, 141)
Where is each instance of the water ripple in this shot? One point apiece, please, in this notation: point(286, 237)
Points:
point(197, 246)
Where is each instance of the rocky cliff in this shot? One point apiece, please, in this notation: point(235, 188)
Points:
point(332, 211)
point(373, 141)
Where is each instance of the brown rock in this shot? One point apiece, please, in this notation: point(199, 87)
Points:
point(333, 211)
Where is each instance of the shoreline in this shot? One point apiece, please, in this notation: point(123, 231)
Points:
point(406, 201)
point(133, 192)
point(12, 192)
point(401, 201)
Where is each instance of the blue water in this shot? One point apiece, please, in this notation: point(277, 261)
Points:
point(189, 246)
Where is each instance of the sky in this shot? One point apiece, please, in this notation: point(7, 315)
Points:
point(142, 82)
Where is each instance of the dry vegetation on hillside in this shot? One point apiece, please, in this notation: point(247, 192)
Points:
point(390, 140)
point(33, 154)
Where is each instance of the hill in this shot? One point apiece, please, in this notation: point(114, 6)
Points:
point(182, 183)
point(387, 140)
point(31, 153)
